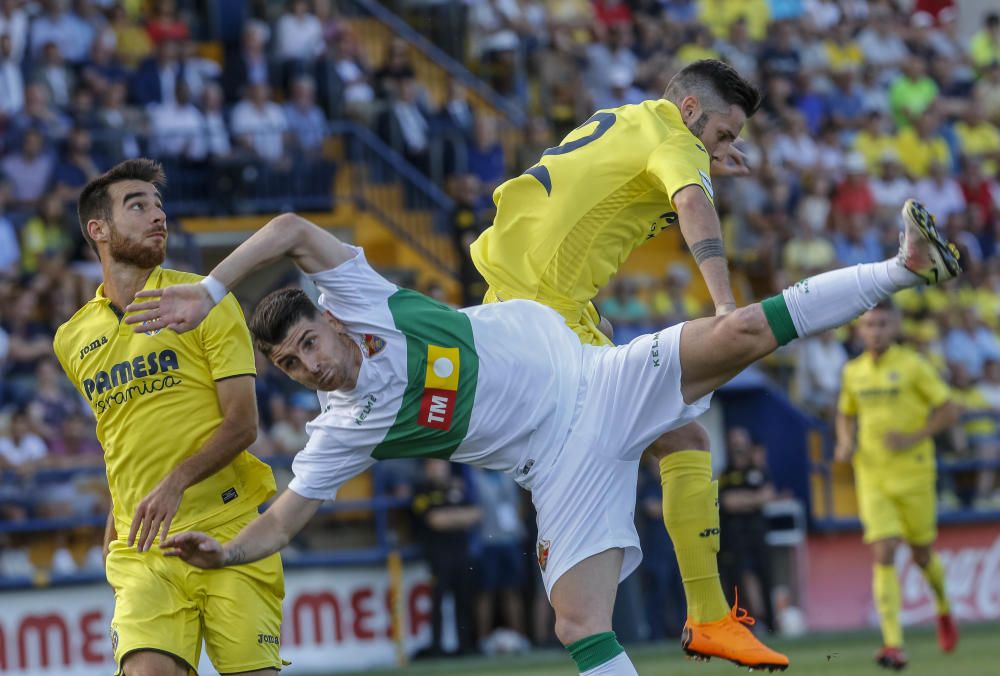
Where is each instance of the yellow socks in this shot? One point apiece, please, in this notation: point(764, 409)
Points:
point(885, 587)
point(691, 515)
point(934, 574)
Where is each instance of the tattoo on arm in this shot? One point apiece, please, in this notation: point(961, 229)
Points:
point(708, 248)
point(235, 557)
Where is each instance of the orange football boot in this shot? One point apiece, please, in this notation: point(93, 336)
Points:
point(730, 639)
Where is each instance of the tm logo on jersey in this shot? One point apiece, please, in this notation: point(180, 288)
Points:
point(440, 388)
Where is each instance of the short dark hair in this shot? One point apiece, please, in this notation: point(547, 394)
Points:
point(713, 78)
point(276, 314)
point(94, 202)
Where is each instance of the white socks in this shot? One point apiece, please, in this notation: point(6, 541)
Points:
point(620, 665)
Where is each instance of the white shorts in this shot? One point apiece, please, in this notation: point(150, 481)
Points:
point(585, 493)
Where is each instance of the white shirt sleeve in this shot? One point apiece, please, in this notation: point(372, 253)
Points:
point(354, 293)
point(325, 464)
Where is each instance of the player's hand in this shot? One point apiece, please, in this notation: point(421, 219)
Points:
point(154, 514)
point(732, 163)
point(843, 453)
point(897, 441)
point(198, 549)
point(181, 308)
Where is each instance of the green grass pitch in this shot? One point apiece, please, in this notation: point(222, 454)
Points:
point(851, 654)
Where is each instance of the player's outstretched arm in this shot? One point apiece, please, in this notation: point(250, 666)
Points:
point(184, 306)
point(265, 535)
point(847, 433)
point(703, 233)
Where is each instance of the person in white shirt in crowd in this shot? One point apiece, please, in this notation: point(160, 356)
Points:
point(299, 34)
point(21, 449)
point(940, 192)
point(54, 73)
point(64, 28)
point(178, 127)
point(306, 121)
point(882, 44)
point(890, 185)
point(216, 133)
point(259, 124)
point(11, 79)
point(14, 22)
point(198, 71)
point(818, 363)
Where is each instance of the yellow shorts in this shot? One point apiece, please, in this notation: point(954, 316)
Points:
point(584, 321)
point(163, 604)
point(908, 512)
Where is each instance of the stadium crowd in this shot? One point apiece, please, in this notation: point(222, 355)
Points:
point(866, 103)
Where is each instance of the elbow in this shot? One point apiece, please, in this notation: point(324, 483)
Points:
point(246, 435)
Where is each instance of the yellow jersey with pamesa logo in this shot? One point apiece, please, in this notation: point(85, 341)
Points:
point(155, 401)
point(567, 224)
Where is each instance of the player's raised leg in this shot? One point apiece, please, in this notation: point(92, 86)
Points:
point(714, 349)
point(583, 599)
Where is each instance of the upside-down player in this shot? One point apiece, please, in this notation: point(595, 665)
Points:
point(566, 225)
point(892, 403)
point(175, 414)
point(508, 387)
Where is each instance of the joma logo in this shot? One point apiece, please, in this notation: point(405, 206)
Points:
point(103, 340)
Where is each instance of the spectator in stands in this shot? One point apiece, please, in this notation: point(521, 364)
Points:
point(289, 432)
point(912, 92)
point(304, 118)
point(345, 79)
point(405, 124)
point(155, 80)
point(82, 109)
point(673, 301)
point(501, 568)
point(818, 363)
point(165, 23)
point(59, 26)
point(445, 515)
point(132, 42)
point(807, 252)
point(486, 158)
point(28, 170)
point(845, 102)
point(21, 449)
point(780, 56)
point(978, 138)
point(77, 165)
point(198, 71)
point(11, 80)
point(881, 43)
point(104, 65)
point(623, 306)
point(397, 66)
point(10, 253)
point(922, 145)
point(298, 36)
point(890, 186)
point(45, 233)
point(940, 193)
point(977, 190)
point(744, 557)
point(217, 144)
point(986, 92)
point(52, 71)
point(466, 225)
point(119, 123)
point(610, 54)
point(38, 113)
point(259, 124)
point(853, 196)
point(75, 445)
point(248, 65)
point(795, 148)
point(978, 432)
point(968, 342)
point(177, 128)
point(14, 23)
point(53, 401)
point(984, 48)
point(620, 91)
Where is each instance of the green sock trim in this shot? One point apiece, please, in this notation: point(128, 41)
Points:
point(779, 319)
point(594, 650)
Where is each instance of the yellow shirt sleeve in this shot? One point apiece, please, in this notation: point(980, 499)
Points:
point(847, 404)
point(226, 341)
point(929, 385)
point(678, 162)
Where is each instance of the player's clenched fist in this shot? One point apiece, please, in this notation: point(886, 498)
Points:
point(198, 549)
point(154, 515)
point(180, 307)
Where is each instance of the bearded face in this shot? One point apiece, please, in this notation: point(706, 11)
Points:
point(145, 250)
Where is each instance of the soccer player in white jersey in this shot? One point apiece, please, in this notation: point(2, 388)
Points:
point(507, 387)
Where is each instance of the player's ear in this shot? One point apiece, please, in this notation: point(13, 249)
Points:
point(690, 109)
point(98, 229)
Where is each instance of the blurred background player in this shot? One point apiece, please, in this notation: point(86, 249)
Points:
point(562, 230)
point(892, 404)
point(174, 416)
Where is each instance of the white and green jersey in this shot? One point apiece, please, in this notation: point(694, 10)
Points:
point(493, 386)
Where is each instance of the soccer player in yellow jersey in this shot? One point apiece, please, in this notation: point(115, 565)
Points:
point(175, 414)
point(566, 225)
point(892, 403)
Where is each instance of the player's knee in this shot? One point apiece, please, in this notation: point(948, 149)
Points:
point(745, 328)
point(691, 437)
point(572, 626)
point(921, 556)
